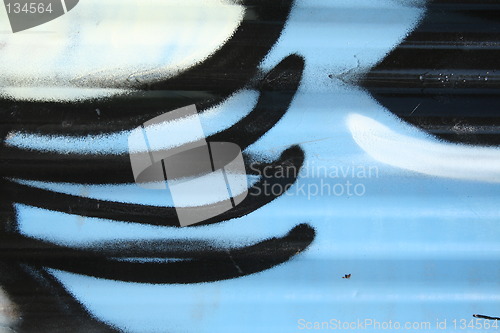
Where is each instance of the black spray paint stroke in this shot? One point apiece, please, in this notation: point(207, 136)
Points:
point(247, 262)
point(444, 77)
point(229, 69)
point(208, 84)
point(292, 159)
point(277, 90)
point(202, 265)
point(43, 304)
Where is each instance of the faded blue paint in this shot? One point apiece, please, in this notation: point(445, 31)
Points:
point(419, 248)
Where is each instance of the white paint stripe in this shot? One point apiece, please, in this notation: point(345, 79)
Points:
point(64, 6)
point(429, 157)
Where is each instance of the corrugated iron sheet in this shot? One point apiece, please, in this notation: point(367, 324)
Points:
point(369, 134)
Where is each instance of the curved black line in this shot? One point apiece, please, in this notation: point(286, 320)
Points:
point(485, 317)
point(202, 266)
point(277, 90)
point(291, 159)
point(237, 59)
point(207, 84)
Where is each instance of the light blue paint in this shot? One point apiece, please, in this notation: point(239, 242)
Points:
point(419, 248)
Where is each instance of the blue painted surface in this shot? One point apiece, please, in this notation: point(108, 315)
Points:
point(419, 248)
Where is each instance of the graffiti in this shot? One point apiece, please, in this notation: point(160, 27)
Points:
point(367, 132)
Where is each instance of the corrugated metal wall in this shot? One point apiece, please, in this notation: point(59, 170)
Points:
point(369, 131)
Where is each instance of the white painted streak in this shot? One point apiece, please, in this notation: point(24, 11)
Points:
point(427, 156)
point(112, 43)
